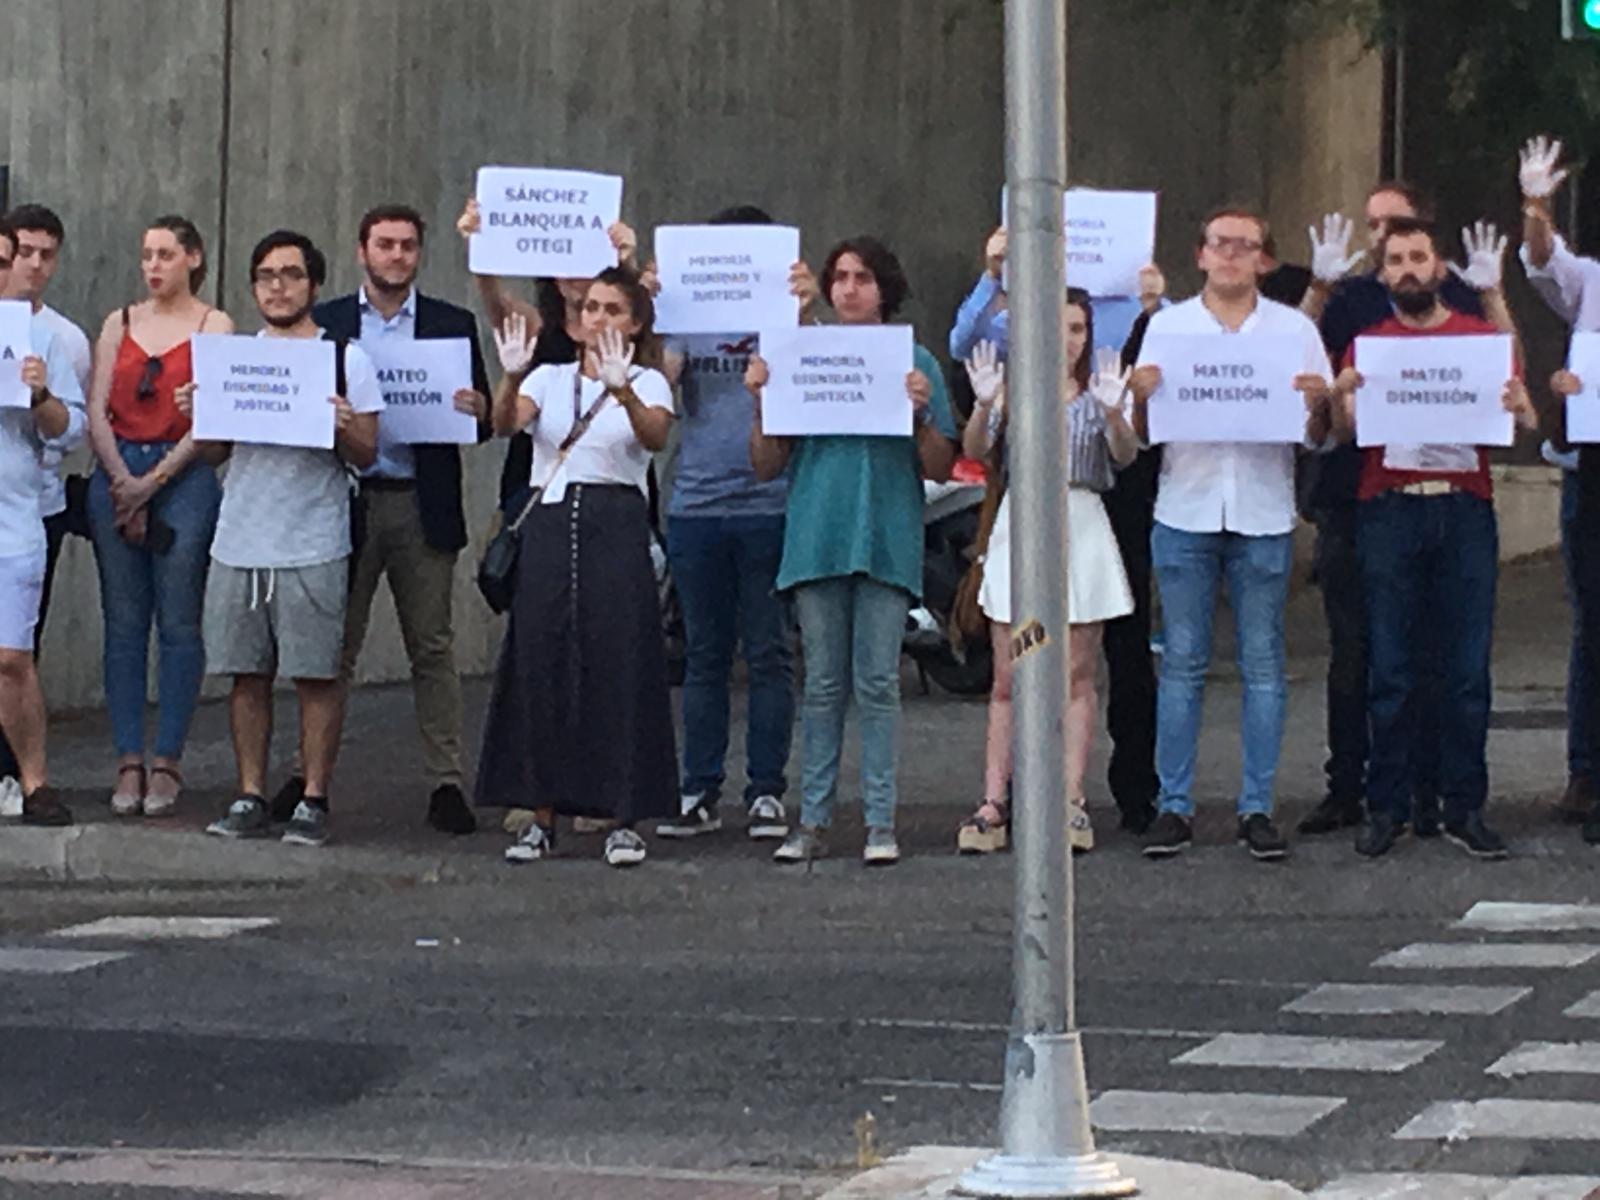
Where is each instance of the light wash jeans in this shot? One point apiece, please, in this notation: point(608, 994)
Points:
point(1188, 568)
point(850, 633)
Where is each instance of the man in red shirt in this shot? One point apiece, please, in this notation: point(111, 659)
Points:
point(1429, 553)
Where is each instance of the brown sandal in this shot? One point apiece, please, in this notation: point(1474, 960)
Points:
point(987, 830)
point(163, 806)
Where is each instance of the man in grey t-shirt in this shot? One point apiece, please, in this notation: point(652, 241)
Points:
point(275, 596)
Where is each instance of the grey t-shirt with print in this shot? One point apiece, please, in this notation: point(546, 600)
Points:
point(714, 476)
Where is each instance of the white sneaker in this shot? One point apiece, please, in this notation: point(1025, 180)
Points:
point(767, 820)
point(881, 849)
point(533, 844)
point(624, 848)
point(10, 797)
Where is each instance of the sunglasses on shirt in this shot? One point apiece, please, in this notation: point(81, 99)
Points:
point(146, 390)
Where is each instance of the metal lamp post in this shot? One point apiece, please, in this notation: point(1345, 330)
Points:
point(1048, 1148)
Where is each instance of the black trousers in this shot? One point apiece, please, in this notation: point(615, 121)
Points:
point(1131, 703)
point(1586, 573)
point(55, 532)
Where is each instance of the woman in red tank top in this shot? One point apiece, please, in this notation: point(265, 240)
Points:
point(152, 509)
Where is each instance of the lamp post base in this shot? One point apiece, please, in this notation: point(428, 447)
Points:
point(1046, 1178)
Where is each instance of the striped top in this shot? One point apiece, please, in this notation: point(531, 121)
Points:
point(1088, 452)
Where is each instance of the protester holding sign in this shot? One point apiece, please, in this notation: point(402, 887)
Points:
point(580, 716)
point(1226, 511)
point(725, 542)
point(152, 510)
point(411, 520)
point(1099, 439)
point(852, 556)
point(1429, 551)
point(280, 570)
point(35, 370)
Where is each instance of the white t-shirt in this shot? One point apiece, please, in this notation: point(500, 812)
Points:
point(22, 450)
point(289, 506)
point(608, 452)
point(72, 342)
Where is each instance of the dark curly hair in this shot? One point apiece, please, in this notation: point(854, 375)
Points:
point(893, 287)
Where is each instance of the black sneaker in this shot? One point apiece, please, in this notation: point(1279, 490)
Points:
point(1425, 819)
point(1262, 837)
point(1333, 814)
point(288, 799)
point(1577, 801)
point(1379, 835)
point(309, 825)
point(246, 818)
point(1476, 838)
point(43, 806)
point(1591, 826)
point(1169, 834)
point(699, 816)
point(1137, 819)
point(448, 811)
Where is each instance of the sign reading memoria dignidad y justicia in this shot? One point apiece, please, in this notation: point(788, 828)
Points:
point(273, 391)
point(837, 379)
point(537, 222)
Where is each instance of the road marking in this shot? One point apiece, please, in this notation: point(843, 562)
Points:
point(1460, 956)
point(1550, 1058)
point(932, 1085)
point(153, 929)
point(1422, 1186)
point(1293, 1053)
point(1497, 917)
point(54, 962)
point(1589, 1006)
point(1241, 1113)
point(1522, 1120)
point(1386, 999)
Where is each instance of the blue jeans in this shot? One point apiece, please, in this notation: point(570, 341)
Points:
point(725, 569)
point(1429, 565)
point(1188, 568)
point(137, 585)
point(1579, 732)
point(850, 632)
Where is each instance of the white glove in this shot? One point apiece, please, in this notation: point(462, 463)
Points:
point(615, 356)
point(1109, 383)
point(515, 344)
point(1539, 175)
point(1331, 259)
point(987, 373)
point(1486, 249)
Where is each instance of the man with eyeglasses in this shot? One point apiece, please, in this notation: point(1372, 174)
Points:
point(1346, 305)
point(52, 421)
point(276, 593)
point(1226, 511)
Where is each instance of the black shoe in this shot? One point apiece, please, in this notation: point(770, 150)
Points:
point(1379, 835)
point(699, 815)
point(1333, 814)
point(281, 810)
point(1591, 825)
point(1425, 819)
point(1578, 800)
point(1262, 837)
point(448, 811)
point(1169, 834)
point(1476, 838)
point(1138, 820)
point(43, 807)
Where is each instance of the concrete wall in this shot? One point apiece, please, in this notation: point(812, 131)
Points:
point(839, 115)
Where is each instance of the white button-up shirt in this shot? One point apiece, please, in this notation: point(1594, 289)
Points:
point(1233, 487)
point(1569, 284)
point(395, 459)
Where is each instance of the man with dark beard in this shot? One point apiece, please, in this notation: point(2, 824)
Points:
point(1429, 554)
point(275, 596)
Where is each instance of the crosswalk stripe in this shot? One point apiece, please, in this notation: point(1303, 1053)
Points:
point(166, 928)
point(1426, 1186)
point(1446, 956)
point(1499, 917)
point(1521, 1120)
point(1589, 1006)
point(29, 961)
point(1240, 1113)
point(1294, 1053)
point(1550, 1058)
point(1387, 999)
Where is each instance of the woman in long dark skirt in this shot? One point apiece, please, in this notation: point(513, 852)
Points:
point(580, 718)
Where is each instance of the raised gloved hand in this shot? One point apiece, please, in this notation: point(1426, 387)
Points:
point(1539, 171)
point(1486, 251)
point(987, 373)
point(515, 345)
point(1109, 383)
point(614, 355)
point(1331, 259)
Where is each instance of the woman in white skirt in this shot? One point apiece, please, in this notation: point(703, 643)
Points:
point(1099, 439)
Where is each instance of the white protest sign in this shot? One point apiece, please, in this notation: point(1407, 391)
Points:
point(1433, 390)
point(1219, 388)
point(1111, 237)
point(16, 344)
point(725, 278)
point(270, 391)
point(837, 379)
point(539, 222)
point(419, 378)
point(1583, 409)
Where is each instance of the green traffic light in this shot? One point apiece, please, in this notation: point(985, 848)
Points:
point(1591, 14)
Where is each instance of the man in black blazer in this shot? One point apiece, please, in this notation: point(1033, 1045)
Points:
point(411, 525)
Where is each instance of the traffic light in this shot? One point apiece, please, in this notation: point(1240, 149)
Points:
point(1580, 20)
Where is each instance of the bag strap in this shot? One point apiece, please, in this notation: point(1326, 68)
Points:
point(579, 428)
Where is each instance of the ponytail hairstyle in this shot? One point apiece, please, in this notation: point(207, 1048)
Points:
point(189, 238)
